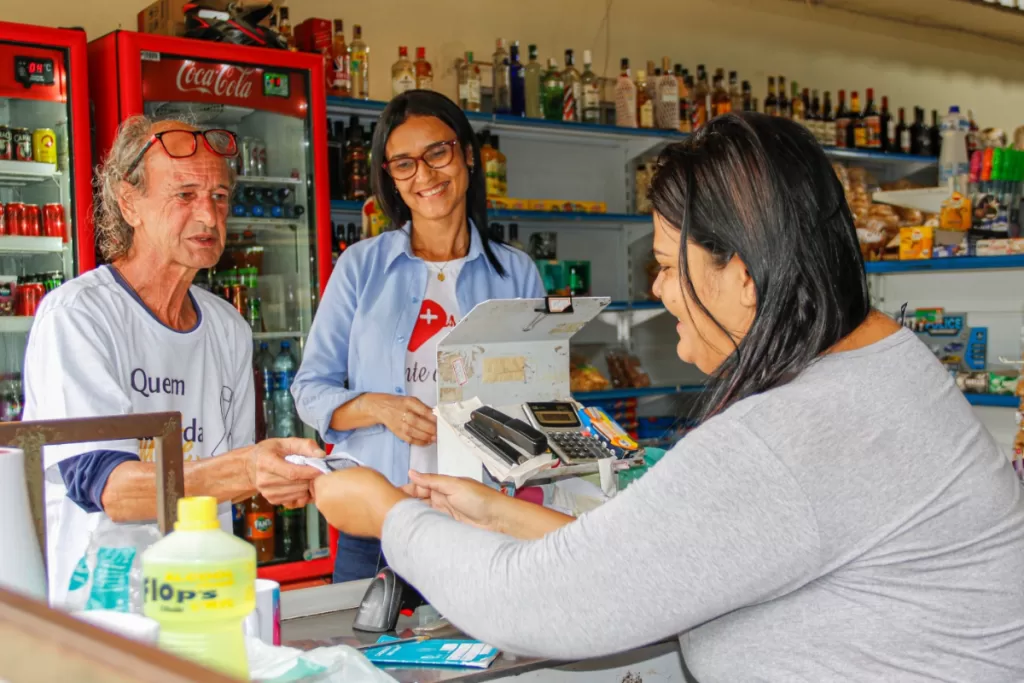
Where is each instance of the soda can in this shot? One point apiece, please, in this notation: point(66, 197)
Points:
point(245, 158)
point(44, 146)
point(3, 220)
point(28, 297)
point(6, 144)
point(54, 224)
point(15, 216)
point(22, 140)
point(238, 299)
point(31, 222)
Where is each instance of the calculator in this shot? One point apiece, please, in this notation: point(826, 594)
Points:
point(567, 438)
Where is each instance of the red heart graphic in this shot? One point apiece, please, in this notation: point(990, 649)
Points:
point(431, 320)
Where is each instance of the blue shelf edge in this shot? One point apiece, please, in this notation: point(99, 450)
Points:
point(952, 263)
point(638, 392)
point(338, 206)
point(993, 400)
point(635, 305)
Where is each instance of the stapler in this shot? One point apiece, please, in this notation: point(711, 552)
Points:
point(386, 598)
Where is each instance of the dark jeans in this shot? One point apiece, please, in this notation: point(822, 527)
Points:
point(358, 558)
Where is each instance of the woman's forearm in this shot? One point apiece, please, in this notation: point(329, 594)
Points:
point(525, 520)
point(356, 414)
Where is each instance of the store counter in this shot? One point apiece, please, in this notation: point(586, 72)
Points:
point(306, 625)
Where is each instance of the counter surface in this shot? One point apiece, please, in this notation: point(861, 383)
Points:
point(335, 628)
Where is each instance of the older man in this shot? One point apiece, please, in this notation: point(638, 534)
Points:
point(136, 337)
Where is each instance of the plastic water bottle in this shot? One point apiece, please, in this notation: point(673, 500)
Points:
point(200, 585)
point(265, 363)
point(953, 162)
point(285, 419)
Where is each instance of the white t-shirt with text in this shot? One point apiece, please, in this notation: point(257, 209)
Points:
point(96, 350)
point(438, 313)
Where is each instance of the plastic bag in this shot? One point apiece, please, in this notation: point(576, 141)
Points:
point(334, 664)
point(109, 575)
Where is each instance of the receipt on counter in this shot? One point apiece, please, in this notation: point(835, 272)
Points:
point(332, 463)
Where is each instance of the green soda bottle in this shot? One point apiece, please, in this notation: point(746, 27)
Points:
point(200, 585)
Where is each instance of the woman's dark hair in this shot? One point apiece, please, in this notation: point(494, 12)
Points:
point(430, 103)
point(760, 188)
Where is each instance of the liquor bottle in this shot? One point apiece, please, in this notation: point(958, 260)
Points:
point(572, 89)
point(700, 109)
point(887, 142)
point(784, 103)
point(341, 85)
point(469, 84)
point(666, 105)
point(902, 137)
point(492, 167)
point(424, 71)
point(644, 104)
point(355, 162)
point(684, 99)
point(972, 134)
point(872, 123)
point(284, 27)
point(856, 131)
point(625, 98)
point(336, 160)
point(500, 84)
point(517, 80)
point(552, 92)
point(771, 102)
point(748, 103)
point(259, 527)
point(828, 122)
point(814, 122)
point(720, 101)
point(920, 141)
point(403, 77)
point(735, 96)
point(796, 104)
point(842, 120)
point(591, 110)
point(935, 134)
point(359, 64)
point(532, 77)
point(652, 83)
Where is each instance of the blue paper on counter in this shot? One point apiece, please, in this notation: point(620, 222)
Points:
point(469, 654)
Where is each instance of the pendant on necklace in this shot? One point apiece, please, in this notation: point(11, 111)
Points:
point(440, 276)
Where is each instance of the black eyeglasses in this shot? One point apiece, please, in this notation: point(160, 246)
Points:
point(183, 143)
point(437, 156)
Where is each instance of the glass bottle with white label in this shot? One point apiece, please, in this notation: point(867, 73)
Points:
point(590, 107)
point(403, 76)
point(469, 84)
point(625, 98)
point(359, 64)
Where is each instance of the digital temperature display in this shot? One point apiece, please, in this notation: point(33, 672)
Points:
point(275, 85)
point(31, 71)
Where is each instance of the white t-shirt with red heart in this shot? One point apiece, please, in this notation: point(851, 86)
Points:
point(439, 311)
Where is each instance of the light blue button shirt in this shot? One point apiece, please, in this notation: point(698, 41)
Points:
point(361, 330)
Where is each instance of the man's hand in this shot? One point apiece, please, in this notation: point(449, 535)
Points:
point(277, 480)
point(356, 501)
point(463, 499)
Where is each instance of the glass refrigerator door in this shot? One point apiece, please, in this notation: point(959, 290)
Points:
point(268, 270)
point(36, 253)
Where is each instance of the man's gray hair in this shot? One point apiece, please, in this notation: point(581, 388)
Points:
point(113, 233)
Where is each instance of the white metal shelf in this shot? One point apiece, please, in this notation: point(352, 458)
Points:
point(264, 223)
point(16, 324)
point(22, 173)
point(266, 180)
point(19, 244)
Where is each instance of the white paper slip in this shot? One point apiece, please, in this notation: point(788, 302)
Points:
point(332, 463)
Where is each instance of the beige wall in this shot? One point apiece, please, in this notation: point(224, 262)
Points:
point(822, 48)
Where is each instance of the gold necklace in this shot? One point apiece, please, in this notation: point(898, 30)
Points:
point(440, 273)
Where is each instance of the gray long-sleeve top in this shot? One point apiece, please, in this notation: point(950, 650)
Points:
point(858, 523)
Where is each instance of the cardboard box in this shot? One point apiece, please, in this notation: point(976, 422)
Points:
point(916, 243)
point(314, 35)
point(504, 353)
point(163, 17)
point(999, 247)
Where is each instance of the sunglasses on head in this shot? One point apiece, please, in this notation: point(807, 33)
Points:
point(179, 144)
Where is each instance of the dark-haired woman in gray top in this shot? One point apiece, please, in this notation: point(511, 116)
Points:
point(839, 514)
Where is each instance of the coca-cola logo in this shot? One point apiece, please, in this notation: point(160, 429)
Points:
point(219, 80)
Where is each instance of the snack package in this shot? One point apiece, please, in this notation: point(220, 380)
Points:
point(584, 377)
point(626, 370)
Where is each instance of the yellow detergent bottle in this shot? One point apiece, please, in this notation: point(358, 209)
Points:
point(200, 586)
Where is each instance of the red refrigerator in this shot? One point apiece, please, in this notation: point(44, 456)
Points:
point(45, 183)
point(278, 253)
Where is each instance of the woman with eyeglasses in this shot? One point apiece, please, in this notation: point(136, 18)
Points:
point(368, 382)
point(840, 514)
